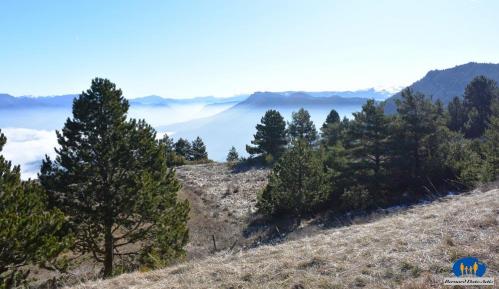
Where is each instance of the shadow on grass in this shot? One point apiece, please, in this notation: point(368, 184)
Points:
point(273, 230)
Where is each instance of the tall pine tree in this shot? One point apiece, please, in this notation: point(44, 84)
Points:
point(331, 130)
point(368, 135)
point(492, 140)
point(270, 138)
point(111, 180)
point(183, 148)
point(478, 97)
point(301, 127)
point(415, 131)
point(458, 115)
point(198, 151)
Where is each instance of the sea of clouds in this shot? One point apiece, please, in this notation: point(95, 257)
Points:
point(31, 132)
point(27, 147)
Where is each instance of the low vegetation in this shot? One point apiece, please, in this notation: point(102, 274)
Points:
point(184, 152)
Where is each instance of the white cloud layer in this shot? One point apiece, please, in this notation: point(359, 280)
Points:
point(27, 147)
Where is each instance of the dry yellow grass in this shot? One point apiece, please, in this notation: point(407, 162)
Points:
point(414, 248)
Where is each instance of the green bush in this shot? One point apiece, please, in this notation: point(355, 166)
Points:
point(232, 155)
point(297, 184)
point(356, 198)
point(464, 160)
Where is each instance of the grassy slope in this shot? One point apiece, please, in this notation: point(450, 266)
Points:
point(221, 201)
point(413, 248)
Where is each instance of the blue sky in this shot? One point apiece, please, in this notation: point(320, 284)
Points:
point(196, 48)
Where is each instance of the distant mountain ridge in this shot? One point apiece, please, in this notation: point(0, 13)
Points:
point(9, 101)
point(371, 93)
point(207, 100)
point(445, 84)
point(296, 100)
point(314, 98)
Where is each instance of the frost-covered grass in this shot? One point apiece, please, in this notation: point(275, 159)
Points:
point(222, 202)
point(412, 248)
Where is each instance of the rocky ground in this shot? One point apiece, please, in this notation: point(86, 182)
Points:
point(222, 202)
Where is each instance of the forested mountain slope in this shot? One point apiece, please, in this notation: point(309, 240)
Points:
point(447, 83)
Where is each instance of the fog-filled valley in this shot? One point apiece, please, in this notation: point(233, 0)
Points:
point(31, 131)
point(236, 126)
point(29, 123)
point(220, 122)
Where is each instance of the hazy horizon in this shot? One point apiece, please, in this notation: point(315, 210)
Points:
point(31, 132)
point(391, 90)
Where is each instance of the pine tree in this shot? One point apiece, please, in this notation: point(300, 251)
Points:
point(332, 117)
point(183, 148)
point(478, 97)
point(368, 135)
point(270, 137)
point(172, 159)
point(110, 178)
point(338, 169)
point(232, 156)
point(414, 139)
point(301, 127)
point(198, 150)
point(30, 233)
point(331, 130)
point(457, 115)
point(492, 140)
point(297, 184)
point(464, 161)
point(168, 143)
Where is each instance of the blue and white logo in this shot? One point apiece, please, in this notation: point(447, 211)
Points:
point(469, 267)
point(469, 271)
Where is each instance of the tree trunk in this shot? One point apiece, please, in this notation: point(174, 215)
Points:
point(108, 252)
